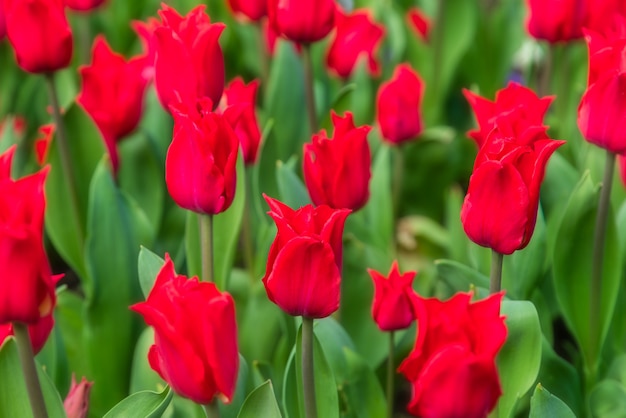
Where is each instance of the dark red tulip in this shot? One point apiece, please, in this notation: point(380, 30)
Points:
point(252, 9)
point(302, 21)
point(83, 5)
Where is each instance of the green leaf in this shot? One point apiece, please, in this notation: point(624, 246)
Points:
point(116, 229)
point(86, 148)
point(572, 264)
point(292, 190)
point(146, 404)
point(14, 401)
point(149, 266)
point(543, 404)
point(379, 209)
point(520, 357)
point(363, 394)
point(226, 227)
point(561, 377)
point(261, 403)
point(459, 276)
point(608, 400)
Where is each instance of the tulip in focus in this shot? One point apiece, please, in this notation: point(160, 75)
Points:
point(27, 288)
point(337, 170)
point(76, 403)
point(356, 35)
point(83, 5)
point(200, 167)
point(244, 122)
point(112, 94)
point(452, 368)
point(195, 349)
point(254, 10)
point(303, 273)
point(40, 34)
point(189, 64)
point(392, 308)
point(38, 332)
point(398, 105)
point(302, 21)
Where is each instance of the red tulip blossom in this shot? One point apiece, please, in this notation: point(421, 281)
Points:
point(356, 35)
point(195, 348)
point(245, 124)
point(398, 105)
point(303, 272)
point(189, 63)
point(393, 307)
point(27, 291)
point(38, 332)
point(253, 9)
point(452, 366)
point(302, 21)
point(337, 170)
point(40, 34)
point(112, 94)
point(500, 208)
point(514, 97)
point(602, 110)
point(200, 167)
point(419, 22)
point(3, 23)
point(558, 20)
point(83, 5)
point(145, 32)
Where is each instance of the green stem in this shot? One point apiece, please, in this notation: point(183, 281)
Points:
point(263, 55)
point(308, 376)
point(29, 368)
point(599, 240)
point(398, 175)
point(211, 410)
point(246, 232)
point(308, 87)
point(206, 246)
point(544, 75)
point(390, 375)
point(495, 280)
point(66, 159)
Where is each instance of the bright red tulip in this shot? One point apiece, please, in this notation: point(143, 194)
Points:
point(356, 35)
point(145, 32)
point(83, 5)
point(500, 208)
point(200, 167)
point(26, 285)
point(195, 349)
point(189, 63)
point(112, 94)
point(452, 367)
point(303, 273)
point(253, 9)
point(392, 308)
point(337, 170)
point(302, 21)
point(76, 403)
point(3, 23)
point(558, 20)
point(246, 127)
point(38, 332)
point(39, 33)
point(419, 22)
point(515, 97)
point(398, 105)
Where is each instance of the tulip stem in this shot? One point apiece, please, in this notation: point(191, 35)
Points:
point(308, 375)
point(307, 63)
point(206, 246)
point(390, 375)
point(246, 233)
point(495, 280)
point(27, 358)
point(66, 159)
point(599, 240)
point(211, 410)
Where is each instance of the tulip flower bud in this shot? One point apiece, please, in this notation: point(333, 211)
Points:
point(392, 308)
point(76, 403)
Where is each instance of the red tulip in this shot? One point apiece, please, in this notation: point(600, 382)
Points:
point(302, 21)
point(337, 170)
point(303, 273)
point(393, 308)
point(38, 332)
point(26, 285)
point(356, 36)
point(42, 144)
point(452, 367)
point(419, 22)
point(195, 349)
point(83, 5)
point(558, 20)
point(246, 127)
point(200, 167)
point(3, 23)
point(76, 403)
point(252, 9)
point(398, 105)
point(500, 208)
point(145, 32)
point(112, 94)
point(39, 33)
point(189, 64)
point(525, 102)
